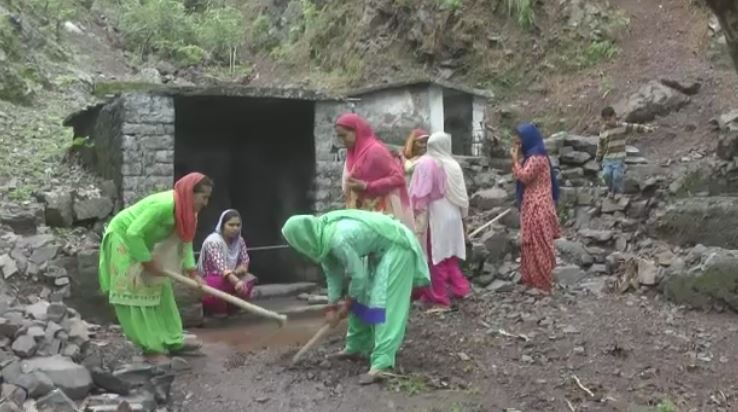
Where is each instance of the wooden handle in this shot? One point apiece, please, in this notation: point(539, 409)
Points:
point(486, 225)
point(282, 319)
point(318, 335)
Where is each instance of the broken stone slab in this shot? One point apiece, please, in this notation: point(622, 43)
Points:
point(282, 290)
point(8, 266)
point(44, 254)
point(488, 199)
point(726, 121)
point(93, 208)
point(711, 221)
point(714, 282)
point(586, 144)
point(37, 310)
point(501, 286)
point(497, 243)
point(25, 346)
point(77, 329)
point(56, 312)
point(143, 402)
point(36, 384)
point(10, 325)
point(22, 219)
point(109, 382)
point(574, 158)
point(651, 100)
point(58, 211)
point(75, 380)
point(647, 272)
point(574, 252)
point(569, 275)
point(56, 401)
point(484, 280)
point(615, 205)
point(601, 236)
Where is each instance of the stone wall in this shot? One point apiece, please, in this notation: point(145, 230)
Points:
point(108, 138)
point(147, 145)
point(394, 113)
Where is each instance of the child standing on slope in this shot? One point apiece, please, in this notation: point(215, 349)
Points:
point(611, 148)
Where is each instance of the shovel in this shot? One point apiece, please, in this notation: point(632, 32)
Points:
point(249, 307)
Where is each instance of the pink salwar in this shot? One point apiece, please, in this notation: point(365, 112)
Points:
point(447, 280)
point(216, 306)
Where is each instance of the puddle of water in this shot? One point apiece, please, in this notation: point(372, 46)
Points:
point(246, 337)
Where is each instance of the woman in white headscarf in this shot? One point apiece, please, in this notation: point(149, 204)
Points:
point(441, 203)
point(224, 263)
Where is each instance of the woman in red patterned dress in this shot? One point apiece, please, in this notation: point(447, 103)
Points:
point(537, 194)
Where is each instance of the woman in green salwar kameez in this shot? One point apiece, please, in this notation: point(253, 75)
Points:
point(378, 297)
point(131, 264)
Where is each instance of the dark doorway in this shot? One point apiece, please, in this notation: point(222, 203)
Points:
point(458, 112)
point(261, 154)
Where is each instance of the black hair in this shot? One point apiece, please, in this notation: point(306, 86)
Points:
point(202, 184)
point(607, 112)
point(228, 216)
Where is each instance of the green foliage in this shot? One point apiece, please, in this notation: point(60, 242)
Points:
point(411, 385)
point(20, 194)
point(262, 33)
point(574, 57)
point(57, 11)
point(190, 34)
point(189, 55)
point(523, 12)
point(666, 406)
point(220, 31)
point(451, 4)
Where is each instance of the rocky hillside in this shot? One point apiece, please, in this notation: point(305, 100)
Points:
point(557, 63)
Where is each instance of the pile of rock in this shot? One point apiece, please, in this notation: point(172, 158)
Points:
point(50, 358)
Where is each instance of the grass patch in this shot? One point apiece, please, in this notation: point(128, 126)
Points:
point(410, 385)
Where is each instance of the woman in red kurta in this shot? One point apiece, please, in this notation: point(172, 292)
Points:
point(373, 179)
point(537, 193)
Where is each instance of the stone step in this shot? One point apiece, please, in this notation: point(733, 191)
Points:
point(272, 291)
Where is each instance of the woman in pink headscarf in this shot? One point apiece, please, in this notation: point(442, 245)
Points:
point(373, 179)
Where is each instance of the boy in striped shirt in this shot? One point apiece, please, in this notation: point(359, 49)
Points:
point(611, 148)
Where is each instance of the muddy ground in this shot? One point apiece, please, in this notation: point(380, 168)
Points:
point(632, 352)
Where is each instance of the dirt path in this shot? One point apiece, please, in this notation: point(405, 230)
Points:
point(630, 351)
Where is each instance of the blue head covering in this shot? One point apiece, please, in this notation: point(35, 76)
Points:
point(532, 145)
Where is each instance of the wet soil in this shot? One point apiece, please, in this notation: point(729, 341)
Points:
point(631, 352)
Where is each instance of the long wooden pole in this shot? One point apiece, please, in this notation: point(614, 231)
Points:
point(488, 224)
point(314, 340)
point(250, 307)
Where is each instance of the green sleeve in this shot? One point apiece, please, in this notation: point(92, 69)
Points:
point(189, 257)
point(353, 266)
point(334, 276)
point(137, 231)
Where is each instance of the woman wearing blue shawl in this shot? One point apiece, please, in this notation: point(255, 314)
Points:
point(537, 195)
